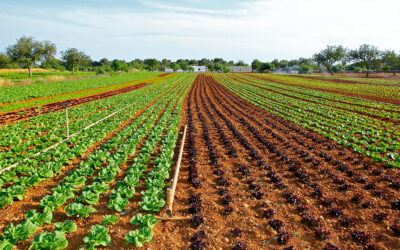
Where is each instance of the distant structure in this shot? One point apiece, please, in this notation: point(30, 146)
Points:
point(179, 71)
point(169, 70)
point(199, 69)
point(236, 69)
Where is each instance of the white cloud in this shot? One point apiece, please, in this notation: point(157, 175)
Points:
point(246, 30)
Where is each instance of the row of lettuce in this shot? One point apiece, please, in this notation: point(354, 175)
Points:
point(388, 90)
point(326, 114)
point(155, 133)
point(33, 171)
point(26, 92)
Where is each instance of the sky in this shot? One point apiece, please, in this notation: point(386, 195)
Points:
point(195, 29)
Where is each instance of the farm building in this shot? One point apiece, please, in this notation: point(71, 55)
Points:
point(199, 69)
point(240, 69)
point(169, 70)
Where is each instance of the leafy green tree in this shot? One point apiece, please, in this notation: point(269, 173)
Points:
point(368, 55)
point(329, 56)
point(184, 65)
point(210, 67)
point(52, 63)
point(218, 67)
point(105, 62)
point(28, 51)
point(151, 63)
point(175, 66)
point(241, 63)
point(305, 69)
point(118, 65)
point(73, 59)
point(5, 61)
point(255, 65)
point(166, 62)
point(266, 67)
point(204, 62)
point(226, 69)
point(391, 59)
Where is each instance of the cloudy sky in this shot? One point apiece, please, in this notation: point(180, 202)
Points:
point(233, 30)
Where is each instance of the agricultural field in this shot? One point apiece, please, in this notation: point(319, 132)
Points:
point(268, 162)
point(18, 75)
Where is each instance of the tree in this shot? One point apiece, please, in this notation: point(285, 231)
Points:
point(175, 66)
point(329, 56)
point(255, 65)
point(184, 65)
point(305, 69)
point(151, 63)
point(368, 55)
point(118, 65)
point(74, 58)
point(226, 69)
point(29, 51)
point(266, 67)
point(391, 59)
point(241, 63)
point(4, 61)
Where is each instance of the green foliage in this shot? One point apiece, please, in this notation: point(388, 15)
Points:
point(74, 58)
point(67, 227)
point(79, 210)
point(28, 51)
point(109, 219)
point(147, 220)
point(138, 237)
point(329, 56)
point(98, 236)
point(49, 241)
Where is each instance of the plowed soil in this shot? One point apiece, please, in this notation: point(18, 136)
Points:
point(251, 167)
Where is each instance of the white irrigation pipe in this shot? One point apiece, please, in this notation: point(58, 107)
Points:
point(171, 191)
point(58, 143)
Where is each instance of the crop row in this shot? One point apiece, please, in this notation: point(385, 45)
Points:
point(28, 173)
point(373, 138)
point(26, 92)
point(390, 92)
point(123, 144)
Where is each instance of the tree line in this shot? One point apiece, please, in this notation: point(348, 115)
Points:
point(28, 52)
point(337, 58)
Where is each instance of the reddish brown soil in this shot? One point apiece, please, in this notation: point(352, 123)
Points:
point(14, 116)
point(373, 98)
point(273, 148)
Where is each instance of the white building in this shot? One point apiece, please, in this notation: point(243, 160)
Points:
point(169, 70)
point(199, 69)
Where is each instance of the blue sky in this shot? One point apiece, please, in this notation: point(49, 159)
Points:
point(233, 30)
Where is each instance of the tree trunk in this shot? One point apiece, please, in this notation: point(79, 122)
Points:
point(73, 69)
point(367, 72)
point(330, 70)
point(30, 71)
point(394, 71)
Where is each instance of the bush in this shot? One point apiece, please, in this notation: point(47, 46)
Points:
point(305, 69)
point(338, 68)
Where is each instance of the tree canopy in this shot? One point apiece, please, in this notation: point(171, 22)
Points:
point(74, 58)
point(28, 51)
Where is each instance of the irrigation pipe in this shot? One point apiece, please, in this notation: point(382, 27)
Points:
point(171, 191)
point(58, 143)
